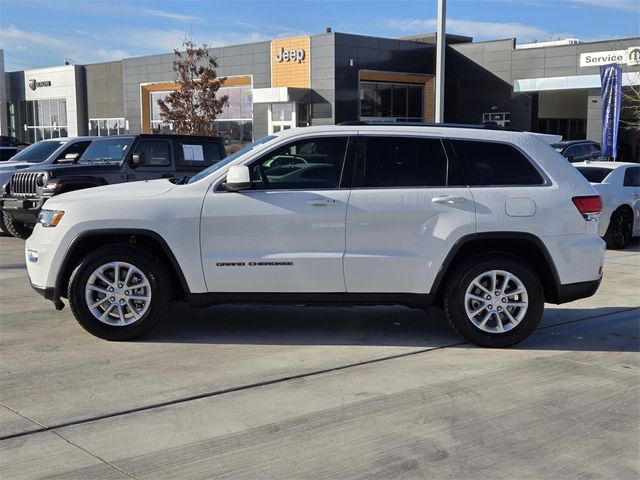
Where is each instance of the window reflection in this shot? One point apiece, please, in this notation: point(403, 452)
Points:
point(391, 101)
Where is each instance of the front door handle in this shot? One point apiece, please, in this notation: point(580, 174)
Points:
point(321, 202)
point(167, 175)
point(448, 199)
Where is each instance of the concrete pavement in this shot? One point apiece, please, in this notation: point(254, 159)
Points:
point(307, 392)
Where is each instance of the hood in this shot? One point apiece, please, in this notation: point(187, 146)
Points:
point(4, 166)
point(113, 193)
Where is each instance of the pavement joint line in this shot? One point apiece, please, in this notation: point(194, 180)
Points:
point(92, 454)
point(274, 381)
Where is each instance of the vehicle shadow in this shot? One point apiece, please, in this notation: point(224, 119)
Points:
point(596, 329)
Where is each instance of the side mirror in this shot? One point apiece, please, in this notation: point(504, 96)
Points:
point(238, 178)
point(571, 158)
point(137, 159)
point(70, 158)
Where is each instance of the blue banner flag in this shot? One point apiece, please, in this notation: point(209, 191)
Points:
point(611, 90)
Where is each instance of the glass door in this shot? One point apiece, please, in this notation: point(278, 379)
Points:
point(282, 116)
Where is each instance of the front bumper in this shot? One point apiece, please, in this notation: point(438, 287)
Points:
point(24, 210)
point(49, 293)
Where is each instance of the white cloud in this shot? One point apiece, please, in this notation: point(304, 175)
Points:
point(625, 5)
point(171, 15)
point(479, 30)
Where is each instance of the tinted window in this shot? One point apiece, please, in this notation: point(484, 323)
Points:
point(594, 174)
point(402, 162)
point(77, 147)
point(111, 150)
point(154, 153)
point(595, 150)
point(38, 152)
point(632, 177)
point(199, 154)
point(582, 151)
point(487, 163)
point(305, 164)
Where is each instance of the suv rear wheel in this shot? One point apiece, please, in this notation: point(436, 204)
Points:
point(620, 230)
point(494, 300)
point(118, 292)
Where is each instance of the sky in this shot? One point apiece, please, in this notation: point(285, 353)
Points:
point(42, 33)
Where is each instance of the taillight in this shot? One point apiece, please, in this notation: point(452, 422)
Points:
point(590, 207)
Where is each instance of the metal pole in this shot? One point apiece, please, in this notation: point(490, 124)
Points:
point(441, 45)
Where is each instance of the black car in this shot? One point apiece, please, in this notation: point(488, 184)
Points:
point(578, 150)
point(107, 160)
point(9, 146)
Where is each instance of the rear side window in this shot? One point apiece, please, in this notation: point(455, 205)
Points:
point(402, 162)
point(198, 154)
point(595, 150)
point(632, 177)
point(490, 163)
point(594, 174)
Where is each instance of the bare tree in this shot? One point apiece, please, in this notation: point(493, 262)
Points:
point(631, 108)
point(195, 105)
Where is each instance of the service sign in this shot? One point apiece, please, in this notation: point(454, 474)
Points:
point(630, 56)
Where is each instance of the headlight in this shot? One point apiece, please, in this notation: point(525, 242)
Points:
point(41, 180)
point(50, 218)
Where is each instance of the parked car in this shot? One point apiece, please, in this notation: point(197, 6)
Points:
point(486, 223)
point(45, 152)
point(107, 160)
point(618, 183)
point(578, 150)
point(10, 146)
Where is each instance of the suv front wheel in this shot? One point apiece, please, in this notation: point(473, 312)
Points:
point(494, 300)
point(119, 292)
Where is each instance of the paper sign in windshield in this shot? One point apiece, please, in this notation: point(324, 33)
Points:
point(193, 153)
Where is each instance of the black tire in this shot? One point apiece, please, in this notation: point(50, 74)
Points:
point(16, 228)
point(4, 231)
point(460, 281)
point(620, 230)
point(156, 274)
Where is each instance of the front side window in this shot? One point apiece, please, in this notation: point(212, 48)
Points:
point(109, 151)
point(305, 164)
point(490, 163)
point(154, 153)
point(402, 162)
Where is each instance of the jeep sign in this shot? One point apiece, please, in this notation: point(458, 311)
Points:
point(290, 55)
point(33, 84)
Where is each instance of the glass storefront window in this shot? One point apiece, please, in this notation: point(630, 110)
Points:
point(391, 101)
point(35, 120)
point(104, 127)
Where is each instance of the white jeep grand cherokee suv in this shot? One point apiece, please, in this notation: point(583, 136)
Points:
point(488, 224)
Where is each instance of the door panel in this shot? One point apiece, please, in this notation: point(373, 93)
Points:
point(397, 239)
point(274, 241)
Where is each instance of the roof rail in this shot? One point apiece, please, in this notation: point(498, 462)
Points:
point(480, 126)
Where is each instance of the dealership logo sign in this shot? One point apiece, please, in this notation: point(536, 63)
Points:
point(33, 84)
point(630, 56)
point(290, 55)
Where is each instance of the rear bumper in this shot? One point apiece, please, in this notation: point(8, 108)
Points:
point(574, 291)
point(23, 209)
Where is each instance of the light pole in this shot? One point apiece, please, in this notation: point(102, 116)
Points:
point(441, 45)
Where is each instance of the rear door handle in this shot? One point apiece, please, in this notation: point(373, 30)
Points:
point(321, 202)
point(448, 199)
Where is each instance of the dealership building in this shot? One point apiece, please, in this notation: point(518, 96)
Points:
point(550, 87)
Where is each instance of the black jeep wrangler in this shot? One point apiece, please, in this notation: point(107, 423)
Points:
point(115, 159)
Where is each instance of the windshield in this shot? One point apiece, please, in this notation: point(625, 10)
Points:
point(107, 151)
point(216, 166)
point(594, 174)
point(38, 152)
point(558, 147)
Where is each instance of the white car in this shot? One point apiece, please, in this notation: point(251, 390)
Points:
point(486, 223)
point(618, 184)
